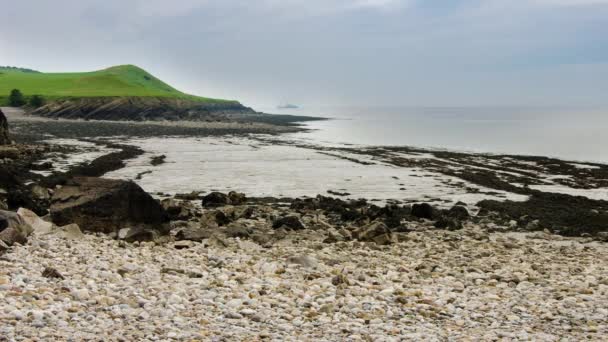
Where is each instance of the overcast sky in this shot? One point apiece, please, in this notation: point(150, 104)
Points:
point(329, 52)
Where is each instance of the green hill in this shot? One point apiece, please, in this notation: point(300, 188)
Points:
point(117, 81)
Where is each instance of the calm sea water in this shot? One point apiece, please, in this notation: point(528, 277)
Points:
point(568, 133)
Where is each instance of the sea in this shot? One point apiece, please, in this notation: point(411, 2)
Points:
point(572, 133)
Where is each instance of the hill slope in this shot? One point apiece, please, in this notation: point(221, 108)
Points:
point(117, 81)
point(123, 92)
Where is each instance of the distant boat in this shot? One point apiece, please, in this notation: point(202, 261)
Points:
point(287, 106)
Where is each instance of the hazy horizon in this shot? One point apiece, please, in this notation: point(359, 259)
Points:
point(329, 53)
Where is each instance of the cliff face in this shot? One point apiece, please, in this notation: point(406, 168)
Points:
point(4, 138)
point(139, 109)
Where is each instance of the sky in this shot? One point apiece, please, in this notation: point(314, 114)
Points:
point(329, 52)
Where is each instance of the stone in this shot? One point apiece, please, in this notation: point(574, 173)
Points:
point(178, 210)
point(237, 198)
point(4, 131)
point(183, 244)
point(215, 199)
point(291, 222)
point(303, 260)
point(376, 232)
point(423, 210)
point(71, 232)
point(50, 272)
point(13, 228)
point(448, 223)
point(193, 234)
point(139, 233)
point(38, 225)
point(107, 205)
point(236, 230)
point(459, 212)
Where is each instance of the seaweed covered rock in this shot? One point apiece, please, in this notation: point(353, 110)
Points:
point(107, 206)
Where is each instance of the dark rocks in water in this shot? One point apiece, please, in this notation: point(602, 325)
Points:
point(4, 137)
point(106, 205)
point(291, 221)
point(376, 232)
point(423, 210)
point(459, 212)
point(158, 160)
point(218, 199)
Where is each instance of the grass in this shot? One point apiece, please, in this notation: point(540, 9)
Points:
point(117, 81)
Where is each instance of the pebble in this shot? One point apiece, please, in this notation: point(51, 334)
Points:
point(527, 289)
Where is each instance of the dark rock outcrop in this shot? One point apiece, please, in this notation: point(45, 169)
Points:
point(105, 205)
point(4, 138)
point(140, 109)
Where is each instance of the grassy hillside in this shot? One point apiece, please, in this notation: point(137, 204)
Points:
point(117, 81)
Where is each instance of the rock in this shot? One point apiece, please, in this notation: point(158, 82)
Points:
point(459, 212)
point(303, 260)
point(3, 247)
point(291, 221)
point(376, 232)
point(235, 230)
point(40, 192)
point(71, 232)
point(106, 205)
point(183, 244)
point(237, 198)
point(193, 234)
point(138, 233)
point(50, 272)
point(4, 136)
point(423, 210)
point(194, 195)
point(13, 228)
point(38, 225)
point(158, 160)
point(215, 199)
point(448, 223)
point(178, 210)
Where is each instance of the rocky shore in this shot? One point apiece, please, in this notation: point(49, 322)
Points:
point(88, 258)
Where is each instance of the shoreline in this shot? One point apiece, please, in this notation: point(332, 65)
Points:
point(232, 266)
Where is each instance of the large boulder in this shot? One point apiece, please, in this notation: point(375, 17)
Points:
point(4, 138)
point(107, 206)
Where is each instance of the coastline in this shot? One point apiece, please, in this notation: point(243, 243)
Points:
point(325, 265)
